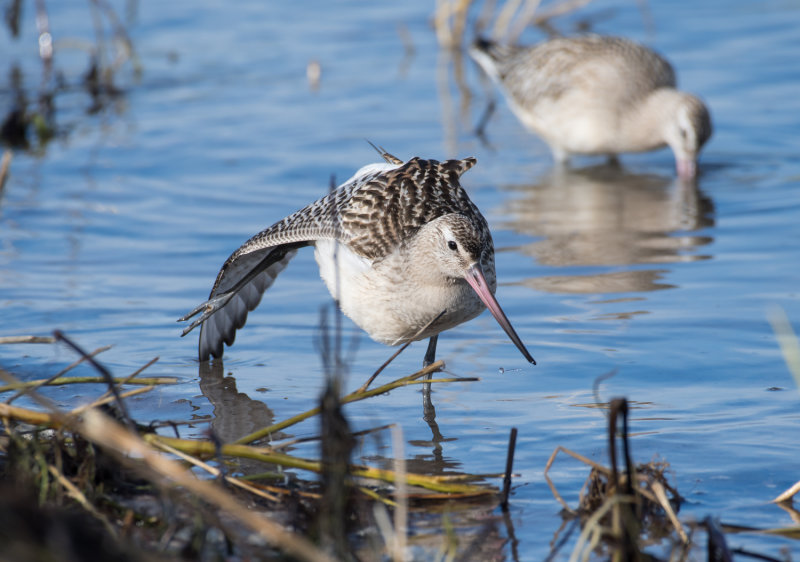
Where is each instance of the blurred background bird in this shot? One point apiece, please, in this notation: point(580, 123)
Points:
point(598, 95)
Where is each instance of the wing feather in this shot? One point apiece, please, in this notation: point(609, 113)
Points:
point(253, 267)
point(222, 325)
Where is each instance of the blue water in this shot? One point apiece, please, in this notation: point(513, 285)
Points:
point(119, 226)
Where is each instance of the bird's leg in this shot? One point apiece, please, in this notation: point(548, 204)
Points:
point(429, 415)
point(428, 411)
point(480, 128)
point(430, 354)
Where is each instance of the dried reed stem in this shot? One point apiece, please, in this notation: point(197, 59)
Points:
point(788, 494)
point(60, 381)
point(661, 493)
point(447, 484)
point(124, 444)
point(352, 397)
point(213, 471)
point(22, 339)
point(398, 548)
point(5, 165)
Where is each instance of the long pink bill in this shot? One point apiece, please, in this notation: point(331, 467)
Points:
point(477, 281)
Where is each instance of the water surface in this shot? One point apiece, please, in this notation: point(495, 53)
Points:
point(119, 226)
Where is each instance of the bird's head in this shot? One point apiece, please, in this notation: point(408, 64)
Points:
point(462, 249)
point(686, 131)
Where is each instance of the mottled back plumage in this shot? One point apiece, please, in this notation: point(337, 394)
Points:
point(552, 68)
point(390, 208)
point(374, 213)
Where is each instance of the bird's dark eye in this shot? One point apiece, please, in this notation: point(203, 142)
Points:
point(452, 245)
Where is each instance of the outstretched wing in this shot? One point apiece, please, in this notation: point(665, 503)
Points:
point(238, 290)
point(373, 213)
point(252, 268)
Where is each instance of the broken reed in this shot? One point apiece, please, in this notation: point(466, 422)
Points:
point(623, 505)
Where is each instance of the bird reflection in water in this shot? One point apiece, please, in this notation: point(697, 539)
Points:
point(605, 216)
point(235, 413)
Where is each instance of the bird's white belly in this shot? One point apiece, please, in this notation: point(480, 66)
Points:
point(385, 301)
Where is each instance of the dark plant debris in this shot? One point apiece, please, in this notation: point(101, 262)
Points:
point(629, 511)
point(31, 119)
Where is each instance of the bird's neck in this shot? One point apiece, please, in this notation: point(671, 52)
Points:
point(644, 126)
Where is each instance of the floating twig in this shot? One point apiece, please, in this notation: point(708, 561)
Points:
point(36, 384)
point(203, 449)
point(352, 397)
point(54, 420)
point(788, 494)
point(22, 339)
point(108, 399)
point(292, 442)
point(5, 165)
point(61, 381)
point(216, 472)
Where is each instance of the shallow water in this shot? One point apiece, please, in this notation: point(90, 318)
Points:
point(120, 225)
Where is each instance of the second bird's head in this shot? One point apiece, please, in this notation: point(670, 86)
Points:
point(686, 131)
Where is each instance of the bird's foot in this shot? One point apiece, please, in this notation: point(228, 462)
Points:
point(208, 308)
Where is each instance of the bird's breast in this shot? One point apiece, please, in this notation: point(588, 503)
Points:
point(387, 300)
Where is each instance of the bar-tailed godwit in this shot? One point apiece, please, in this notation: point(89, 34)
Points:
point(397, 245)
point(598, 95)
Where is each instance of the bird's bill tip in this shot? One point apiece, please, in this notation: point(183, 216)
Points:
point(686, 168)
point(477, 281)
